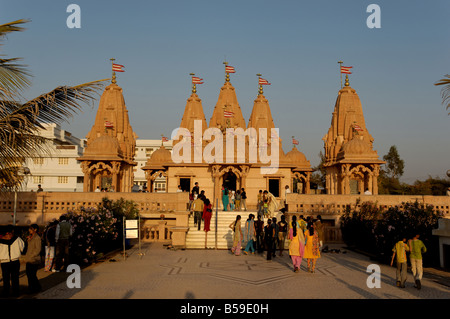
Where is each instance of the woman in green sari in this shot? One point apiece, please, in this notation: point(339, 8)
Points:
point(224, 197)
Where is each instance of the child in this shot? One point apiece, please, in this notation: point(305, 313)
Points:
point(266, 208)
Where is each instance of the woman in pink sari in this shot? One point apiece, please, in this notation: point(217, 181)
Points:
point(296, 247)
point(237, 236)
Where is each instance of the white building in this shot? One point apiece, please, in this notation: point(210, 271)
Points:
point(144, 149)
point(58, 171)
point(61, 172)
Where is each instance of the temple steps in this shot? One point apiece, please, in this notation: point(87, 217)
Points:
point(195, 239)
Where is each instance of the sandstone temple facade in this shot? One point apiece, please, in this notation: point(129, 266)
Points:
point(108, 159)
point(352, 166)
point(294, 170)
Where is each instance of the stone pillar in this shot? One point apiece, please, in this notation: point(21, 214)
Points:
point(308, 186)
point(87, 182)
point(375, 185)
point(370, 183)
point(245, 170)
point(97, 180)
point(162, 230)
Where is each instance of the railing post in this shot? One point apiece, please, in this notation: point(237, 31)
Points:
point(217, 210)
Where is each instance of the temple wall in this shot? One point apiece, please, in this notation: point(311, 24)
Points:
point(40, 208)
point(331, 206)
point(255, 182)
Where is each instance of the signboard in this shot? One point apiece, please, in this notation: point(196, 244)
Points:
point(132, 233)
point(131, 228)
point(131, 223)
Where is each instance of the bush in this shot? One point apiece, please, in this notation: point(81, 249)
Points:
point(97, 231)
point(376, 231)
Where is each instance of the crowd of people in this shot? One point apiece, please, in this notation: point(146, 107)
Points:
point(305, 238)
point(52, 244)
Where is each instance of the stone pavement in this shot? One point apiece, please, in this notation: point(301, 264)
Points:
point(162, 273)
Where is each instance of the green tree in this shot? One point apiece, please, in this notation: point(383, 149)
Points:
point(431, 186)
point(318, 178)
point(445, 91)
point(389, 179)
point(21, 120)
point(394, 166)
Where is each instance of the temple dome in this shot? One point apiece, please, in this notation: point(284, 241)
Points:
point(161, 156)
point(104, 146)
point(298, 160)
point(356, 146)
point(294, 156)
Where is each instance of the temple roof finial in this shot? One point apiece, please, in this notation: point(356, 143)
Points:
point(260, 90)
point(113, 72)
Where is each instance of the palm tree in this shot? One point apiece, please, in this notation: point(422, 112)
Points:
point(21, 121)
point(445, 92)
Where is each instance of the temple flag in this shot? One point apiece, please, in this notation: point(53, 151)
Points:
point(230, 69)
point(117, 67)
point(197, 80)
point(263, 82)
point(228, 114)
point(346, 69)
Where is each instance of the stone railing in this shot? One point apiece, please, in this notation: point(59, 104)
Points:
point(40, 208)
point(332, 206)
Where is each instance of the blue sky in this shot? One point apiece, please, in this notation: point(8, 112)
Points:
point(293, 44)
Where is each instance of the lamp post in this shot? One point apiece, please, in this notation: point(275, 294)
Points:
point(25, 171)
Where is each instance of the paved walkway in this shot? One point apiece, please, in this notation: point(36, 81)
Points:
point(162, 273)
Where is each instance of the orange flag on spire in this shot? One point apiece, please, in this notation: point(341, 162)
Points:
point(229, 69)
point(346, 69)
point(117, 67)
point(263, 82)
point(197, 80)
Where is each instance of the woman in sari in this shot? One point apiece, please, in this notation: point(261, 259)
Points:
point(237, 236)
point(296, 247)
point(224, 197)
point(272, 204)
point(250, 234)
point(311, 247)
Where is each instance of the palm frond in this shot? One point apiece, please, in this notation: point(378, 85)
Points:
point(445, 91)
point(12, 27)
point(61, 103)
point(20, 123)
point(14, 78)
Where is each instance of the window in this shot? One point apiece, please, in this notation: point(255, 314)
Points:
point(38, 179)
point(38, 160)
point(148, 152)
point(63, 179)
point(160, 187)
point(63, 160)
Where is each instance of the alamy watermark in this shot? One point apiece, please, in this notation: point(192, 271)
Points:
point(374, 279)
point(73, 280)
point(259, 143)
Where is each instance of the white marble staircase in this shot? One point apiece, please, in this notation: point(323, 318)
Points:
point(195, 239)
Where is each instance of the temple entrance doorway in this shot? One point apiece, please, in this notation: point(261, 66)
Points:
point(106, 182)
point(274, 187)
point(185, 184)
point(230, 181)
point(354, 187)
